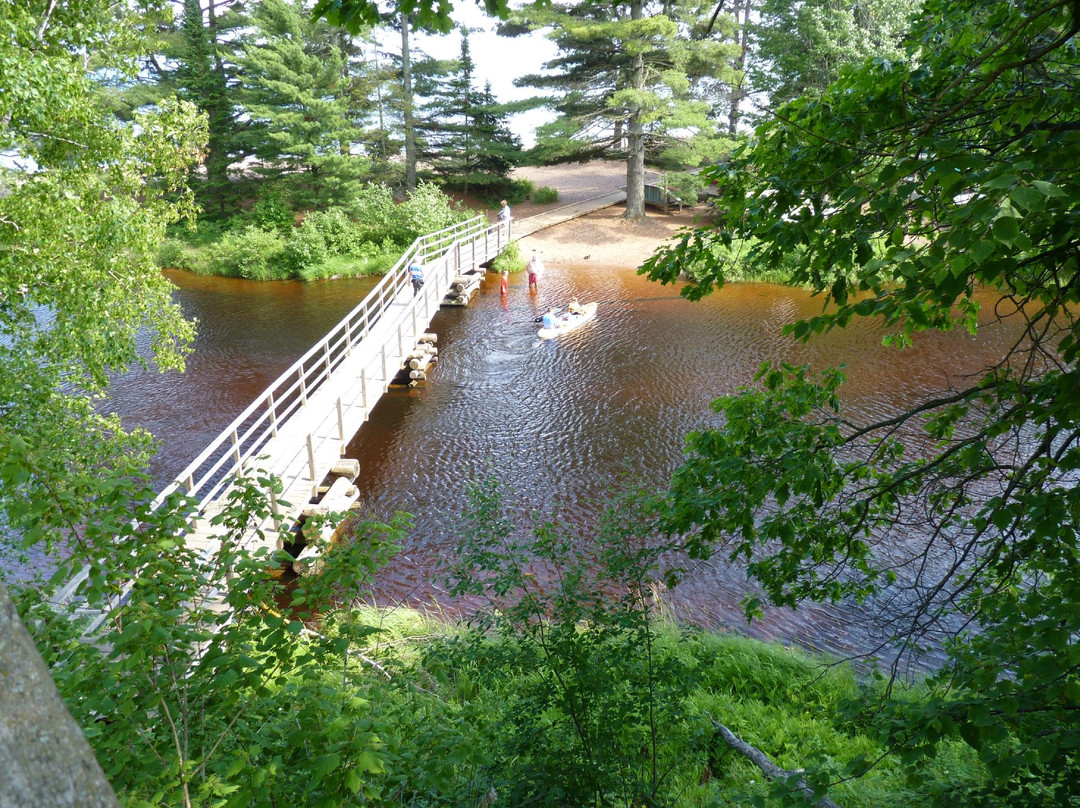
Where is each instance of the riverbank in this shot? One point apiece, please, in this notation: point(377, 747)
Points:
point(604, 239)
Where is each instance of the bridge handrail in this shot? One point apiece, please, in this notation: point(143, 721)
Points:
point(425, 249)
point(241, 443)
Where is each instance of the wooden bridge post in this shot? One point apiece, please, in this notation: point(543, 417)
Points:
point(273, 413)
point(385, 370)
point(363, 391)
point(236, 449)
point(311, 460)
point(303, 385)
point(341, 424)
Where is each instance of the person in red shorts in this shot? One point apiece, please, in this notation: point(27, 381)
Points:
point(535, 268)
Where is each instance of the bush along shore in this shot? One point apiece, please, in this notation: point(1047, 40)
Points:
point(365, 237)
point(265, 243)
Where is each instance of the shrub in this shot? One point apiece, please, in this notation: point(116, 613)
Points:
point(684, 186)
point(426, 210)
point(509, 260)
point(373, 210)
point(341, 236)
point(306, 248)
point(249, 253)
point(271, 212)
point(201, 232)
point(513, 191)
point(545, 195)
point(169, 254)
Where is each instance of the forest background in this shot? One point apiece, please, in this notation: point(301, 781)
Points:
point(900, 161)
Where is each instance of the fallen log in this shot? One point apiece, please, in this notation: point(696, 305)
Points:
point(768, 768)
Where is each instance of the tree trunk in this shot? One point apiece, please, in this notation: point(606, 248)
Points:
point(407, 107)
point(45, 762)
point(635, 136)
point(737, 91)
point(768, 768)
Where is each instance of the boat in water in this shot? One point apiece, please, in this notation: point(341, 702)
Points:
point(571, 321)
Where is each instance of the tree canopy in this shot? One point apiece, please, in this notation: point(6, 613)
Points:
point(908, 186)
point(82, 206)
point(801, 46)
point(354, 15)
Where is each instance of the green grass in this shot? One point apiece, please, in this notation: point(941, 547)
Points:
point(499, 712)
point(345, 266)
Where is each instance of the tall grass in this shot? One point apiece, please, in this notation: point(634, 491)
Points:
point(465, 722)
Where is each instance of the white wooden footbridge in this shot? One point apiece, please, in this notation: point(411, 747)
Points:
point(298, 428)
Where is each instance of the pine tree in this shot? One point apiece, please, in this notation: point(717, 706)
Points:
point(632, 79)
point(193, 57)
point(466, 142)
point(295, 85)
point(202, 79)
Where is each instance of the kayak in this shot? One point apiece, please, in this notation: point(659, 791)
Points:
point(569, 322)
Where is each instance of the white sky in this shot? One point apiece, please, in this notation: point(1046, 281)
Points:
point(499, 60)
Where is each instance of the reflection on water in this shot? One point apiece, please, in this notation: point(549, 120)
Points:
point(557, 421)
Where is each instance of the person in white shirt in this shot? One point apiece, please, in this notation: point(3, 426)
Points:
point(535, 268)
point(504, 214)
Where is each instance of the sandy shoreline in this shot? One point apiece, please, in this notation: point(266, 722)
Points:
point(605, 239)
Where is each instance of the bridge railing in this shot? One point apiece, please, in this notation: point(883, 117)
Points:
point(241, 443)
point(207, 476)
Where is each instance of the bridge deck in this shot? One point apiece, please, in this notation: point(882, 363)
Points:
point(564, 213)
point(297, 429)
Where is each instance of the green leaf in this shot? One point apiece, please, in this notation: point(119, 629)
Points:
point(323, 765)
point(1006, 229)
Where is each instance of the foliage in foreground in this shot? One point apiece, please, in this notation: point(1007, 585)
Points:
point(570, 688)
point(963, 160)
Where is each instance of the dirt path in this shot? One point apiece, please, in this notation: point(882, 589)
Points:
point(604, 238)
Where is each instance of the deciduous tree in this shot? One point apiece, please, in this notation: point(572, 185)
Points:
point(909, 185)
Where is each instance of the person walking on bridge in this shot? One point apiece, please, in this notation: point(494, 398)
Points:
point(416, 275)
point(504, 214)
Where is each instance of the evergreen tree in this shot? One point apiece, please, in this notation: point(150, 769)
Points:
point(192, 56)
point(295, 86)
point(202, 78)
point(466, 141)
point(632, 78)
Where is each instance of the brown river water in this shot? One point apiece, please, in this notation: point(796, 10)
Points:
point(557, 421)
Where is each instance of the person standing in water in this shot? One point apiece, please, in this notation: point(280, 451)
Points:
point(535, 268)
